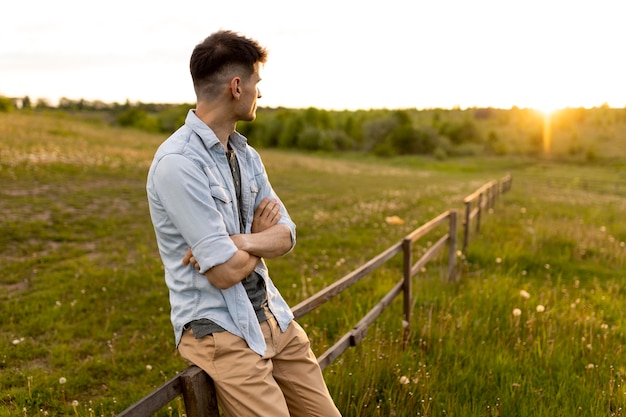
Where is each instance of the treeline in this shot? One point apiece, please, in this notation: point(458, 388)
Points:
point(574, 132)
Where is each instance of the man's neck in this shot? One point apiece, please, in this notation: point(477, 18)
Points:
point(216, 118)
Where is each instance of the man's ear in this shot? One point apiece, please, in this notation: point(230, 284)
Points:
point(235, 87)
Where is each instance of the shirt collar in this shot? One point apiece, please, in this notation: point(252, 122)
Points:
point(208, 137)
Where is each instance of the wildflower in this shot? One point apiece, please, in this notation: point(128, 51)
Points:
point(16, 341)
point(591, 366)
point(74, 403)
point(62, 380)
point(517, 312)
point(405, 324)
point(149, 367)
point(524, 294)
point(541, 308)
point(404, 380)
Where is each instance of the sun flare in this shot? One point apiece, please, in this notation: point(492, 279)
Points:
point(547, 113)
point(547, 109)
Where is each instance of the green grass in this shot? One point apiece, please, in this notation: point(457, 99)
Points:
point(83, 298)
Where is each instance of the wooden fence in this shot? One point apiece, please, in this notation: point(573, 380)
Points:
point(196, 386)
point(483, 198)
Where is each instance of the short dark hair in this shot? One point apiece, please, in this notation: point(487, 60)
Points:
point(218, 55)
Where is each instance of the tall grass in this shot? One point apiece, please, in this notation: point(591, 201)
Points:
point(533, 328)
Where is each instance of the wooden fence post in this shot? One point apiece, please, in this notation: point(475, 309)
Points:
point(466, 225)
point(452, 247)
point(199, 393)
point(407, 287)
point(479, 207)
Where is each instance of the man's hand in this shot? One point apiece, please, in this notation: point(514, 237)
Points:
point(189, 259)
point(266, 215)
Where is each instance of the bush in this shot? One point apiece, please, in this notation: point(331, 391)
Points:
point(6, 105)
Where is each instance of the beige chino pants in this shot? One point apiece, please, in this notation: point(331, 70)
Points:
point(286, 381)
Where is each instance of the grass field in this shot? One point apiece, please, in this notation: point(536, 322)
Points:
point(534, 327)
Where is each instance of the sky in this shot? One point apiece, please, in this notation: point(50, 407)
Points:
point(335, 55)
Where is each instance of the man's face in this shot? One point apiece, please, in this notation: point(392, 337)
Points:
point(246, 110)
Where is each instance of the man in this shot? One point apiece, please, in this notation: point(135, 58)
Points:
point(216, 217)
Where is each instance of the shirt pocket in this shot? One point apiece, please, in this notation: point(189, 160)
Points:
point(219, 194)
point(254, 187)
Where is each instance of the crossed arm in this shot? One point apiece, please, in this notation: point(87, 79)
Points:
point(267, 240)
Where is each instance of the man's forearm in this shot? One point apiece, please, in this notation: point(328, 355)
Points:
point(270, 243)
point(239, 266)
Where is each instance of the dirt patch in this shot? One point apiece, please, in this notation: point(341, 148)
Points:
point(11, 290)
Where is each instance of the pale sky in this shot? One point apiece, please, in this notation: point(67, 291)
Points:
point(328, 54)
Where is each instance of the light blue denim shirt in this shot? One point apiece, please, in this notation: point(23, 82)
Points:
point(193, 204)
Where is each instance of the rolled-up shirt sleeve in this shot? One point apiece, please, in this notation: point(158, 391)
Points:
point(185, 196)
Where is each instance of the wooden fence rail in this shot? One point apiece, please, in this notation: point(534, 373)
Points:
point(196, 386)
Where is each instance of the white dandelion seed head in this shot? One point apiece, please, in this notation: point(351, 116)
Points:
point(16, 341)
point(524, 294)
point(62, 380)
point(541, 308)
point(149, 367)
point(404, 380)
point(74, 403)
point(498, 260)
point(517, 312)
